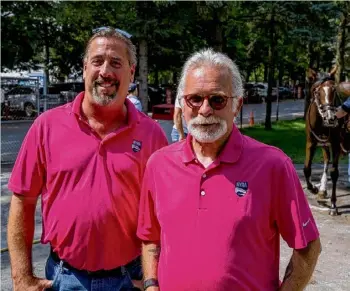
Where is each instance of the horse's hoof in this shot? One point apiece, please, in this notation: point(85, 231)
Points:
point(322, 195)
point(333, 212)
point(313, 189)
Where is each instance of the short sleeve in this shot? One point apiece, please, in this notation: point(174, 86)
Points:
point(346, 105)
point(292, 212)
point(148, 226)
point(28, 174)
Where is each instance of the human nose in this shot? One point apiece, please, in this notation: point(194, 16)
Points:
point(106, 70)
point(205, 109)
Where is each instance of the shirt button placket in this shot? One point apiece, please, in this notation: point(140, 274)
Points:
point(202, 192)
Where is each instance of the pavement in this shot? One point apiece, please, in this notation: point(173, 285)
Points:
point(332, 271)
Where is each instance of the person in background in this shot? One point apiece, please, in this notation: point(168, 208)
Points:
point(342, 111)
point(214, 206)
point(179, 130)
point(132, 96)
point(86, 159)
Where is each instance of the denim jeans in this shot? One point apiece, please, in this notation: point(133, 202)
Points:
point(175, 135)
point(66, 279)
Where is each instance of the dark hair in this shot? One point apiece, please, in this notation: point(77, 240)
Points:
point(112, 33)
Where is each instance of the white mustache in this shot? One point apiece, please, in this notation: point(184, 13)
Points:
point(199, 120)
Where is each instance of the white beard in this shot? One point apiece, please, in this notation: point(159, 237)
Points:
point(207, 133)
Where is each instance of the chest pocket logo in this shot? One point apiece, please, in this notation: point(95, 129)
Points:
point(136, 146)
point(241, 188)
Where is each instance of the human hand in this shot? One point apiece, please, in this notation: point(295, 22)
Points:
point(181, 137)
point(31, 283)
point(138, 284)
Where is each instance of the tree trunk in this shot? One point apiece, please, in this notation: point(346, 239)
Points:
point(156, 77)
point(281, 73)
point(341, 38)
point(143, 74)
point(312, 57)
point(271, 67)
point(175, 77)
point(217, 33)
point(318, 60)
point(307, 98)
point(249, 72)
point(47, 59)
point(266, 72)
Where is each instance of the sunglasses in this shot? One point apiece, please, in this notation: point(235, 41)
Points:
point(103, 28)
point(217, 102)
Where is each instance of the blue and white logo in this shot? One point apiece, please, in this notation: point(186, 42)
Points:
point(241, 188)
point(136, 146)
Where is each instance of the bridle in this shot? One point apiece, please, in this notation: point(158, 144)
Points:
point(322, 110)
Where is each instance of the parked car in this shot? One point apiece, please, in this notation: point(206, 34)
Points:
point(59, 94)
point(283, 93)
point(251, 94)
point(262, 89)
point(22, 100)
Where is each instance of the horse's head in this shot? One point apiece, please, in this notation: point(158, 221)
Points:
point(324, 95)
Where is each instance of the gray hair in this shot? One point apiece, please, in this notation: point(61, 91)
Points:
point(112, 33)
point(211, 58)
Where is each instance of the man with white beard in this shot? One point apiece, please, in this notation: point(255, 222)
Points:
point(213, 206)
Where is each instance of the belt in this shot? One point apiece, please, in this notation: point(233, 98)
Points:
point(117, 272)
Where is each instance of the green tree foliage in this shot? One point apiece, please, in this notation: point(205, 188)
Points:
point(270, 41)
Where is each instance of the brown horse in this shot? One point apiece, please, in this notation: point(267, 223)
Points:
point(323, 129)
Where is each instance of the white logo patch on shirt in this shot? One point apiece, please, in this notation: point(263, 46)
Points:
point(136, 146)
point(241, 188)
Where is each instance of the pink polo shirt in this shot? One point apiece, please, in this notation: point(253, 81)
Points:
point(219, 228)
point(90, 187)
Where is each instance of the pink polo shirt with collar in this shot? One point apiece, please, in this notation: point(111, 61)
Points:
point(219, 227)
point(90, 187)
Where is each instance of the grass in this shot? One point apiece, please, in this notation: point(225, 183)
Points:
point(289, 136)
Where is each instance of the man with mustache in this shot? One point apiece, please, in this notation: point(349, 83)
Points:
point(86, 159)
point(213, 206)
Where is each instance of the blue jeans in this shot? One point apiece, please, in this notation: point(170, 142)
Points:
point(68, 279)
point(175, 135)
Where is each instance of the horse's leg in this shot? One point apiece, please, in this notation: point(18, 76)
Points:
point(309, 155)
point(334, 176)
point(322, 193)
